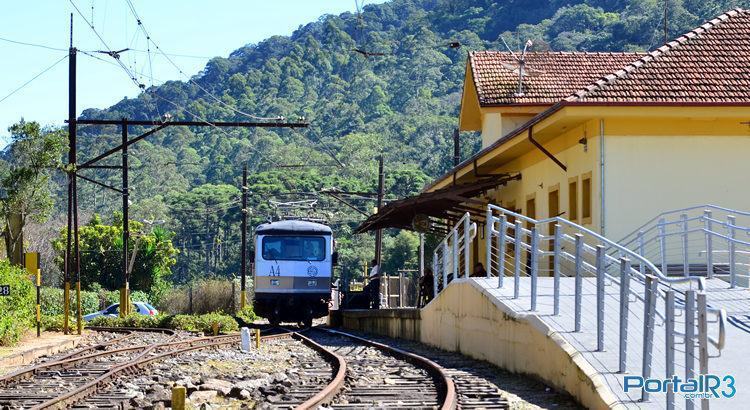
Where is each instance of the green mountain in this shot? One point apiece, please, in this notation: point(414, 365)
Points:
point(400, 100)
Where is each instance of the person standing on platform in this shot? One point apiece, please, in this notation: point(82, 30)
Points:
point(374, 285)
point(426, 287)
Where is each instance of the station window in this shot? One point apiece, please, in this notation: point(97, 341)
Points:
point(573, 199)
point(586, 198)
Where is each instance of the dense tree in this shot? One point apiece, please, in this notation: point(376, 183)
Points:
point(26, 169)
point(402, 104)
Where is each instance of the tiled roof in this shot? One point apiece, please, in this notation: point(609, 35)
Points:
point(708, 64)
point(549, 76)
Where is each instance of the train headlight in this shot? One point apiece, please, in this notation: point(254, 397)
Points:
point(274, 282)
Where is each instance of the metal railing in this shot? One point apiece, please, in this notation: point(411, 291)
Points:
point(606, 276)
point(452, 257)
point(706, 240)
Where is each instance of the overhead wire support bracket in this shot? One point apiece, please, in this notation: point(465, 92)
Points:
point(101, 184)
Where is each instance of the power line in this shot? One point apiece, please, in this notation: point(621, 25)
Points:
point(189, 79)
point(23, 43)
point(34, 78)
point(109, 49)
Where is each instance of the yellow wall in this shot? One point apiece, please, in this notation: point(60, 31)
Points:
point(539, 173)
point(646, 175)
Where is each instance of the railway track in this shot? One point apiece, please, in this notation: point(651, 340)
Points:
point(81, 378)
point(379, 376)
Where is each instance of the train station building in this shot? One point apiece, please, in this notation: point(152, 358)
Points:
point(593, 167)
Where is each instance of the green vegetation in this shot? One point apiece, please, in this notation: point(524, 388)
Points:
point(194, 323)
point(101, 256)
point(16, 309)
point(402, 104)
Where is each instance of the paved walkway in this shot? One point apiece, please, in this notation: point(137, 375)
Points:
point(733, 359)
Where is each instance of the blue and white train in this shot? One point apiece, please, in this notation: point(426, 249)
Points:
point(294, 263)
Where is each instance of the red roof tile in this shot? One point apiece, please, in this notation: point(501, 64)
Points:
point(548, 76)
point(708, 64)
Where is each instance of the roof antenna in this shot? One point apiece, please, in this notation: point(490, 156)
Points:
point(666, 21)
point(521, 64)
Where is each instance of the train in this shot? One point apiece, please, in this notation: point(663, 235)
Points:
point(294, 262)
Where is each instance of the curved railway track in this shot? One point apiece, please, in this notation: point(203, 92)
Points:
point(355, 373)
point(376, 375)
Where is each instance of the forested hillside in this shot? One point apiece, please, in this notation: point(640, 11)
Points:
point(401, 101)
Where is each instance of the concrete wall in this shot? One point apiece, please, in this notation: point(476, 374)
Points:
point(466, 319)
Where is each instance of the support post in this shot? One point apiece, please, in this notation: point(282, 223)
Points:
point(125, 304)
point(578, 281)
point(731, 223)
point(662, 246)
point(601, 272)
point(501, 251)
point(518, 238)
point(708, 225)
point(456, 148)
point(488, 225)
point(641, 250)
point(648, 329)
point(455, 249)
point(689, 341)
point(243, 245)
point(670, 346)
point(625, 268)
point(435, 274)
point(534, 265)
point(685, 259)
point(445, 263)
point(379, 232)
point(467, 246)
point(703, 340)
point(71, 176)
point(557, 245)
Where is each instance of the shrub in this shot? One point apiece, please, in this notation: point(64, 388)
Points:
point(16, 309)
point(52, 302)
point(210, 295)
point(247, 314)
point(54, 323)
point(192, 323)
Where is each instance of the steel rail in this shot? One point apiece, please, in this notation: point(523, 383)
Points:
point(142, 359)
point(446, 387)
point(337, 383)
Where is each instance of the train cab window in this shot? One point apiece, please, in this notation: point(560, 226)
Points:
point(294, 248)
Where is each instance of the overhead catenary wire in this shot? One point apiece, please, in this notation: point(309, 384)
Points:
point(33, 78)
point(190, 79)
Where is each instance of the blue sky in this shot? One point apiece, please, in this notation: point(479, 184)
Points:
point(192, 30)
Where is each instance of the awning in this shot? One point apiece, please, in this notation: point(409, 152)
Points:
point(434, 211)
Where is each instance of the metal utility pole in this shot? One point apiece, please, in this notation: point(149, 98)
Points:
point(456, 148)
point(379, 232)
point(71, 266)
point(243, 260)
point(125, 291)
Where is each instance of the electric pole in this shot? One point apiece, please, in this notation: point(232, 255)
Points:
point(243, 260)
point(456, 148)
point(379, 232)
point(125, 291)
point(71, 264)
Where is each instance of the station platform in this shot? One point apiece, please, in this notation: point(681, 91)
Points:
point(475, 317)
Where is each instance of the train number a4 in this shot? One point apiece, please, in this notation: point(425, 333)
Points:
point(275, 271)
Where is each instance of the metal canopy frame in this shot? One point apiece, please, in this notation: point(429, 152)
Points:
point(446, 204)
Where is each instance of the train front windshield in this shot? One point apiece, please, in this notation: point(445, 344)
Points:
point(294, 248)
